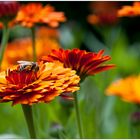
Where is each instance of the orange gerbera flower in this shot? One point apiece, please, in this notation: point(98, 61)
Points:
point(130, 11)
point(28, 14)
point(85, 63)
point(128, 89)
point(104, 13)
point(51, 17)
point(27, 86)
point(34, 13)
point(46, 39)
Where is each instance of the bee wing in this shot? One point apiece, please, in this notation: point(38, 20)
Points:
point(24, 62)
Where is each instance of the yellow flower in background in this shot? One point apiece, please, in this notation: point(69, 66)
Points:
point(21, 49)
point(22, 85)
point(128, 89)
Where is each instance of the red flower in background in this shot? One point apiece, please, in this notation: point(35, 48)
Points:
point(8, 8)
point(103, 13)
point(8, 11)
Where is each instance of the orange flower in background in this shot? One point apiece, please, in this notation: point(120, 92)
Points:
point(44, 32)
point(104, 13)
point(34, 13)
point(27, 86)
point(130, 11)
point(128, 89)
point(28, 14)
point(85, 63)
point(46, 40)
point(50, 17)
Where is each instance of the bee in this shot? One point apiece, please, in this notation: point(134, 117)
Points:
point(28, 65)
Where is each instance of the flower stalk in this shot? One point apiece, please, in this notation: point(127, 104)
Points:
point(33, 44)
point(5, 36)
point(135, 123)
point(27, 110)
point(135, 131)
point(78, 117)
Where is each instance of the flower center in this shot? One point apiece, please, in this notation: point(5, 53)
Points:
point(21, 78)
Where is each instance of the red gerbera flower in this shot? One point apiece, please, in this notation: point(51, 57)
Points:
point(85, 63)
point(8, 8)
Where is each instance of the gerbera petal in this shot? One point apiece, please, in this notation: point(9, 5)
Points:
point(34, 13)
point(100, 69)
point(92, 65)
point(130, 11)
point(127, 88)
point(28, 87)
point(85, 63)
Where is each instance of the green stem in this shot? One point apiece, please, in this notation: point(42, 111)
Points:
point(78, 115)
point(135, 123)
point(5, 36)
point(33, 44)
point(135, 131)
point(27, 110)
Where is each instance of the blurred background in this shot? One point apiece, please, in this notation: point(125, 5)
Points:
point(102, 116)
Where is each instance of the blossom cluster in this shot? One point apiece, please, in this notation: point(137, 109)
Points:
point(56, 72)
